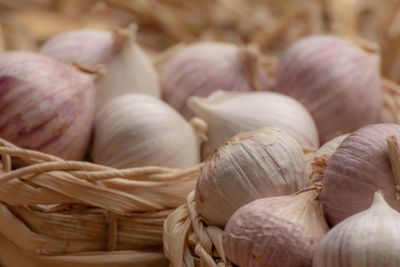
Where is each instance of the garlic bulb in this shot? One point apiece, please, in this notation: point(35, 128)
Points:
point(359, 167)
point(277, 231)
point(336, 81)
point(138, 130)
point(45, 105)
point(204, 67)
point(250, 165)
point(316, 165)
point(230, 113)
point(128, 69)
point(368, 238)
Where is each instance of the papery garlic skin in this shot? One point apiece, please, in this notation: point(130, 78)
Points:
point(251, 165)
point(87, 47)
point(368, 238)
point(336, 81)
point(137, 130)
point(277, 231)
point(229, 113)
point(321, 157)
point(128, 68)
point(45, 105)
point(202, 68)
point(359, 167)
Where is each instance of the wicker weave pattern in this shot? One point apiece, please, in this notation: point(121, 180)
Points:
point(189, 242)
point(56, 207)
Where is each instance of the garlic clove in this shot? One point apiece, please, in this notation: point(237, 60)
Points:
point(276, 231)
point(228, 113)
point(129, 70)
point(367, 238)
point(336, 81)
point(318, 161)
point(250, 165)
point(202, 68)
point(359, 167)
point(45, 105)
point(138, 130)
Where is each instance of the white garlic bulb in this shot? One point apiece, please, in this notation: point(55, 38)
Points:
point(317, 162)
point(250, 165)
point(279, 231)
point(138, 130)
point(228, 113)
point(128, 69)
point(202, 68)
point(367, 238)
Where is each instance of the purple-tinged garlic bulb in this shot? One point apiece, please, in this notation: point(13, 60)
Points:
point(276, 231)
point(202, 68)
point(45, 105)
point(359, 167)
point(339, 83)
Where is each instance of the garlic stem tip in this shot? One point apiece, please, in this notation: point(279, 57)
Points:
point(379, 198)
point(379, 193)
point(123, 35)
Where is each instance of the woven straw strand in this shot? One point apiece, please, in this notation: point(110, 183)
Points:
point(189, 242)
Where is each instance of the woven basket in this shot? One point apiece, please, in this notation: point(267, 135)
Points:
point(71, 213)
point(189, 241)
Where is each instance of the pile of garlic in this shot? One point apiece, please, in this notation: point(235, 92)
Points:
point(283, 228)
point(97, 92)
point(279, 207)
